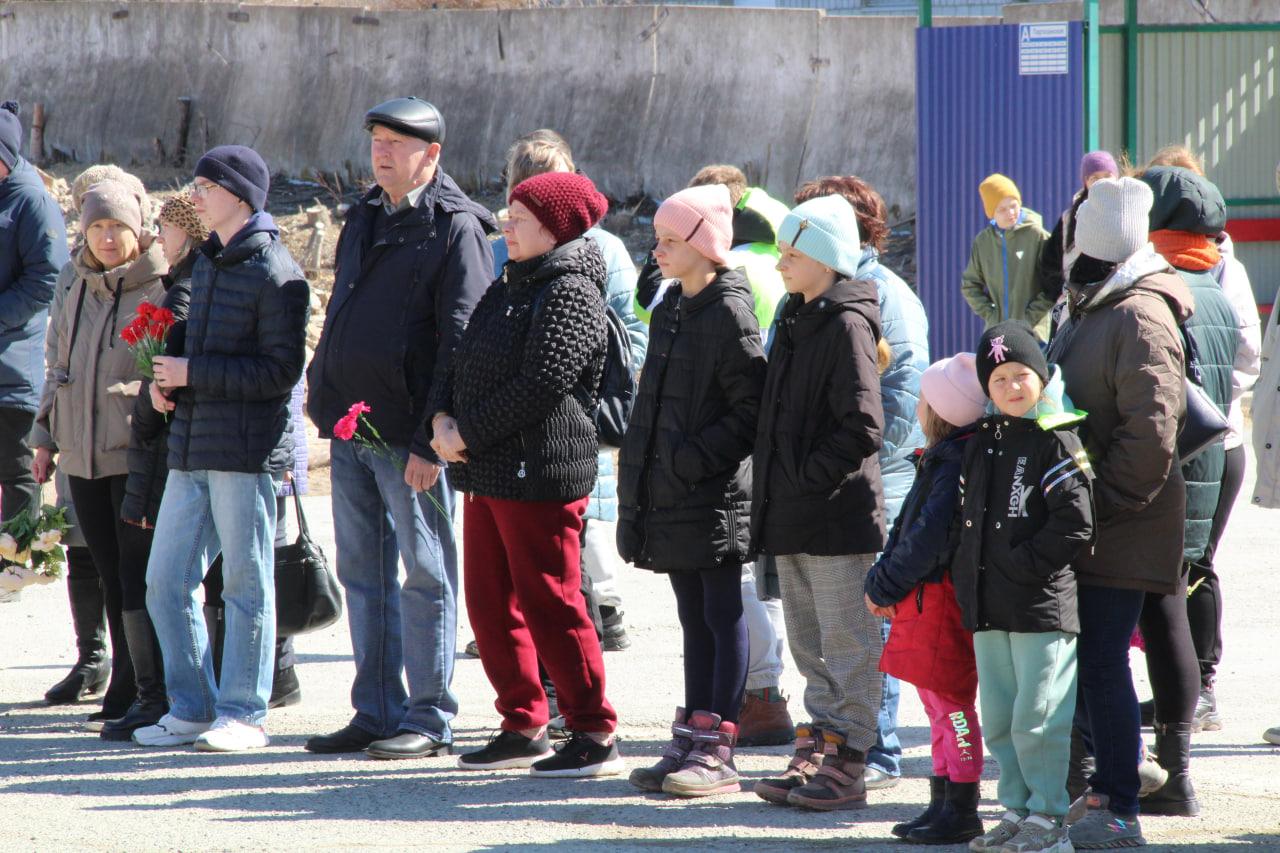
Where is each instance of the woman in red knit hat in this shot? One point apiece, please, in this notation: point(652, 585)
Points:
point(514, 420)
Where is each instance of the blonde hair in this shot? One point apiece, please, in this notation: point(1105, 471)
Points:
point(1178, 155)
point(884, 356)
point(730, 177)
point(934, 426)
point(535, 154)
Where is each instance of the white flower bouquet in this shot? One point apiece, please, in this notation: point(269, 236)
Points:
point(31, 550)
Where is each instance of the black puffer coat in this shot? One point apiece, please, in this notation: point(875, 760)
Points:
point(404, 287)
point(684, 481)
point(1027, 511)
point(817, 476)
point(522, 383)
point(246, 342)
point(149, 430)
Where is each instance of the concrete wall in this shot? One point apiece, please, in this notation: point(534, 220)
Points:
point(1111, 12)
point(646, 95)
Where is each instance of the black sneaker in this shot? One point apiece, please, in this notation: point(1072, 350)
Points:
point(578, 757)
point(615, 633)
point(505, 751)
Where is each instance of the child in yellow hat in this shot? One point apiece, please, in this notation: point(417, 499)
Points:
point(1001, 282)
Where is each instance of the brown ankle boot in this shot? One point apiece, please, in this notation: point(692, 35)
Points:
point(673, 756)
point(708, 768)
point(838, 784)
point(764, 720)
point(804, 764)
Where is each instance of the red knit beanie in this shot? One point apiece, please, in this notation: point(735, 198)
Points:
point(566, 203)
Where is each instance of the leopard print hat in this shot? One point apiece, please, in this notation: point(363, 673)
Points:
point(178, 210)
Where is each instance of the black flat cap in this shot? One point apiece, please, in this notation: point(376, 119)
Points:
point(410, 116)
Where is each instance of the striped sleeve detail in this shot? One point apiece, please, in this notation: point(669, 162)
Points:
point(1077, 464)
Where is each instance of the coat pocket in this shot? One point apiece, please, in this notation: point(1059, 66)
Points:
point(117, 416)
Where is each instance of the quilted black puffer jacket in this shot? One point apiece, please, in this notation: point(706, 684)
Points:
point(684, 481)
point(246, 341)
point(523, 381)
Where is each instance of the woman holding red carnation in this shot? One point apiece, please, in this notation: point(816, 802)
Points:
point(90, 388)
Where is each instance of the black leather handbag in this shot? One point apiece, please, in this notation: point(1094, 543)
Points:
point(1204, 423)
point(307, 594)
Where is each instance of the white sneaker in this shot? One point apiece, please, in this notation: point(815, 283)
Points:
point(229, 735)
point(1000, 835)
point(170, 731)
point(876, 779)
point(1039, 834)
point(1272, 735)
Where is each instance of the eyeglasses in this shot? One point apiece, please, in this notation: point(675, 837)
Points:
point(201, 190)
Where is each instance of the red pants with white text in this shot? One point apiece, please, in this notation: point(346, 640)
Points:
point(957, 739)
point(522, 580)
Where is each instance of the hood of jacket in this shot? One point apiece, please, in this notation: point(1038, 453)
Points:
point(950, 449)
point(23, 176)
point(757, 217)
point(1142, 271)
point(1054, 410)
point(242, 243)
point(141, 271)
point(853, 295)
point(443, 193)
point(581, 255)
point(1027, 218)
point(727, 283)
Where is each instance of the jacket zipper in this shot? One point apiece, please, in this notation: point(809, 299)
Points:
point(1004, 262)
point(204, 330)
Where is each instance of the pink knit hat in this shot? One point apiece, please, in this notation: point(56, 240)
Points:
point(703, 217)
point(950, 387)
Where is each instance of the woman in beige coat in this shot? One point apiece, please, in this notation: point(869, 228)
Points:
point(85, 411)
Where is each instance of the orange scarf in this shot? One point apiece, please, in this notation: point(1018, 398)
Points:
point(1187, 251)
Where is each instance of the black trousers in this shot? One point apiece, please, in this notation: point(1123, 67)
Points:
point(1171, 656)
point(17, 486)
point(1204, 603)
point(120, 553)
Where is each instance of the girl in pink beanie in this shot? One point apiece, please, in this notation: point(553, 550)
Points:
point(701, 218)
point(684, 480)
point(911, 584)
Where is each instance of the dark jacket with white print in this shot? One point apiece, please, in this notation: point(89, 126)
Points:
point(1026, 511)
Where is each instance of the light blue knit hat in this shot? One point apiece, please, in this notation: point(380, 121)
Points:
point(825, 229)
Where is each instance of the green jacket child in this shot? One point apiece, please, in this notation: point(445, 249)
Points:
point(1000, 283)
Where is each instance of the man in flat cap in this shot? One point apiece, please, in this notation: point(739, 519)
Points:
point(412, 261)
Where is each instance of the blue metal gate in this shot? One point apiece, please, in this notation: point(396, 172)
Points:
point(978, 112)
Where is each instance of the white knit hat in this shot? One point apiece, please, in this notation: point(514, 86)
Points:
point(1111, 224)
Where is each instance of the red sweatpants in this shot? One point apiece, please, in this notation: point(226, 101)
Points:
point(522, 579)
point(957, 739)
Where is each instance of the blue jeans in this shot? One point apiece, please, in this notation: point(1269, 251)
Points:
point(1107, 707)
point(379, 521)
point(886, 755)
point(204, 513)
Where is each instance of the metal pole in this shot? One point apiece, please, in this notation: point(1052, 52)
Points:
point(926, 13)
point(1131, 78)
point(1091, 83)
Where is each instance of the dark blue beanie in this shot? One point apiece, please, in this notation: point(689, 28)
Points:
point(239, 170)
point(10, 134)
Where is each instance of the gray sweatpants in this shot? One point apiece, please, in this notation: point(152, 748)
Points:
point(835, 641)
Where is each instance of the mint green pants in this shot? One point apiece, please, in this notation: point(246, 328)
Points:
point(1027, 688)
